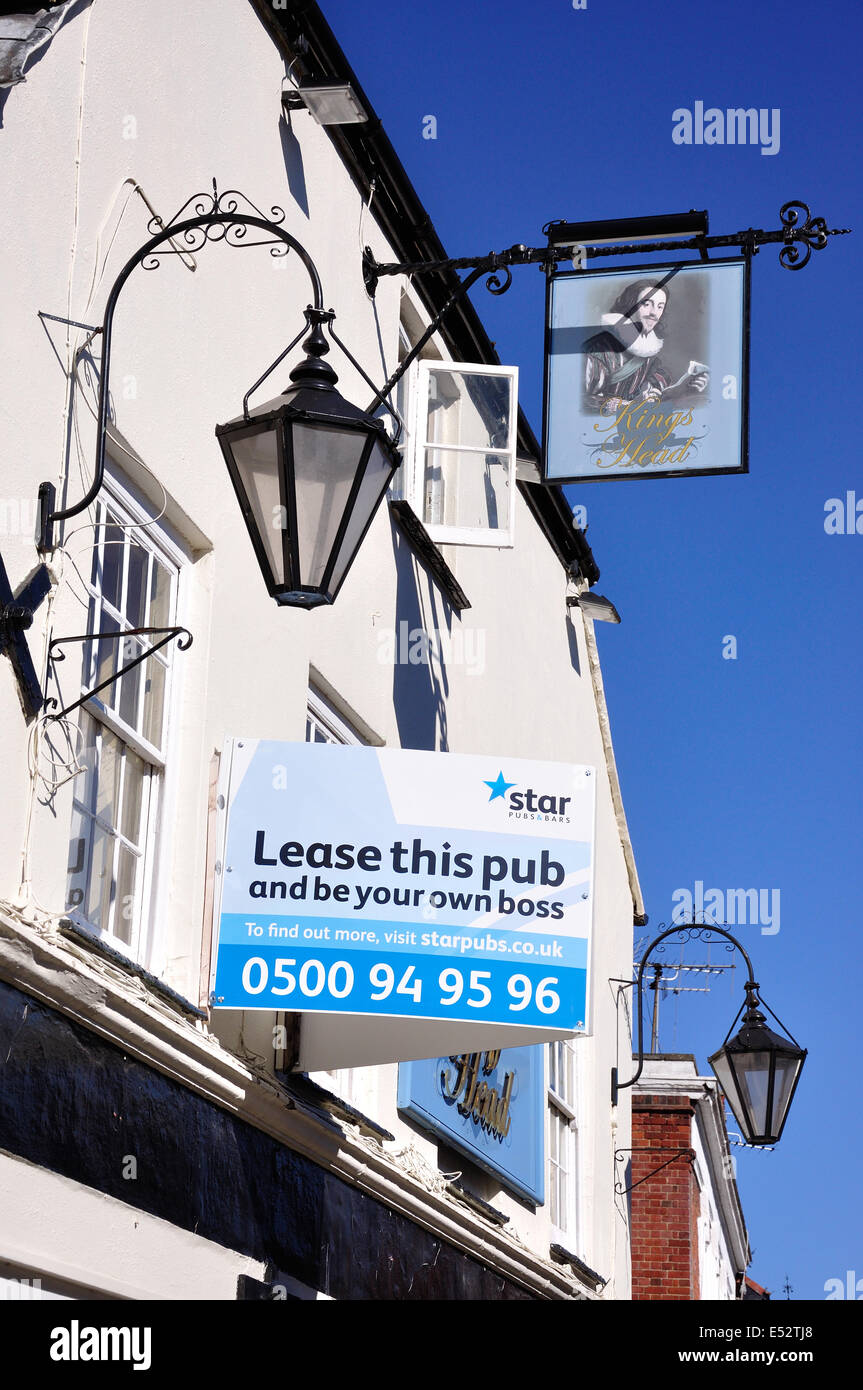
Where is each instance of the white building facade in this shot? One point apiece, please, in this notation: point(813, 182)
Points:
point(150, 1146)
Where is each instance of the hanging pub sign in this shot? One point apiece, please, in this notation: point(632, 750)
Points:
point(412, 903)
point(646, 372)
point(490, 1105)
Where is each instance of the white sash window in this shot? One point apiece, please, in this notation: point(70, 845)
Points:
point(563, 1142)
point(131, 583)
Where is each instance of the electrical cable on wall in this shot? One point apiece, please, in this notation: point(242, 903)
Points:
point(47, 772)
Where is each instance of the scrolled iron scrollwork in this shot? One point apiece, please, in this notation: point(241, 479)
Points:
point(813, 233)
point(214, 217)
point(218, 217)
point(494, 285)
point(696, 931)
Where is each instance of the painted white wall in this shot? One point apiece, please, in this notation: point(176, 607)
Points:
point(168, 96)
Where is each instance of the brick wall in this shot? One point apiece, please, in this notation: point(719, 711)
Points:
point(665, 1205)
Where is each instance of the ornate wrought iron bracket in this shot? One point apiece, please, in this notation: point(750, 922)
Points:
point(226, 217)
point(649, 1148)
point(489, 265)
point(166, 634)
point(16, 616)
point(812, 233)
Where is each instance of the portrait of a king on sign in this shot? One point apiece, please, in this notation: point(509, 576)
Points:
point(646, 372)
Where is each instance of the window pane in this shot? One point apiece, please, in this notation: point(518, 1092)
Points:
point(136, 586)
point(125, 910)
point(106, 659)
point(469, 408)
point(160, 596)
point(154, 700)
point(98, 899)
point(108, 790)
point(79, 859)
point(112, 564)
point(133, 792)
point(462, 489)
point(88, 758)
point(130, 684)
point(561, 1071)
point(90, 649)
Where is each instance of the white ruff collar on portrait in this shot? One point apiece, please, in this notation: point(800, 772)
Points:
point(648, 345)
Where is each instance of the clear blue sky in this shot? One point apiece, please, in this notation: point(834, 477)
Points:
point(742, 773)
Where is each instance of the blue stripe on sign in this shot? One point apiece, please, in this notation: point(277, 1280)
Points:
point(478, 944)
point(333, 981)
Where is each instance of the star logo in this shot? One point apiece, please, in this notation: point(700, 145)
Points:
point(499, 787)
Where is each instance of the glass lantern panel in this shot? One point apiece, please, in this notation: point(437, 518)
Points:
point(256, 458)
point(326, 459)
point(787, 1069)
point(719, 1063)
point(374, 484)
point(753, 1077)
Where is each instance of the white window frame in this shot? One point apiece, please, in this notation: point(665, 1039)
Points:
point(153, 537)
point(413, 486)
point(404, 398)
point(322, 715)
point(325, 717)
point(562, 1110)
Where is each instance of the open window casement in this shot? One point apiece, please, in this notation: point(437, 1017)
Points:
point(460, 451)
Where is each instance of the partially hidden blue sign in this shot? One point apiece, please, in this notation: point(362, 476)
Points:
point(489, 1105)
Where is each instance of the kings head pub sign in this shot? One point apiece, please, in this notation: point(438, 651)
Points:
point(646, 372)
point(488, 1105)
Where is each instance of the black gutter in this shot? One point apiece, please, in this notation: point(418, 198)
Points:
point(368, 155)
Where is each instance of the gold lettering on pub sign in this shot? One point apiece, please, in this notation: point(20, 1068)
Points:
point(641, 435)
point(479, 1100)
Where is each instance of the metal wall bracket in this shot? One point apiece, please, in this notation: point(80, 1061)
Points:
point(16, 616)
point(166, 634)
point(621, 1191)
point(811, 233)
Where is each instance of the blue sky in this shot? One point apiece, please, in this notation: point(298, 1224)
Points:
point(740, 773)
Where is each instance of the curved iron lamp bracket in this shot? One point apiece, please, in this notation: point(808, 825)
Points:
point(692, 931)
point(217, 216)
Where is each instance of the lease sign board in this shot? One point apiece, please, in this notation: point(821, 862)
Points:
point(392, 883)
point(646, 372)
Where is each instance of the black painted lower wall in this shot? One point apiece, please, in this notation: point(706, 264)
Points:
point(73, 1103)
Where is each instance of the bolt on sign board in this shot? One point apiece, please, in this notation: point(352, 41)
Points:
point(646, 372)
point(407, 903)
